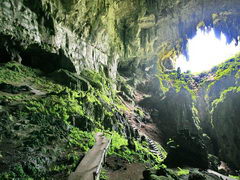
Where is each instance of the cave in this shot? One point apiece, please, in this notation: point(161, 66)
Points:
point(9, 48)
point(39, 59)
point(119, 90)
point(4, 56)
point(48, 62)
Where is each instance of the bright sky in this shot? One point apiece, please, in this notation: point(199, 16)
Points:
point(206, 51)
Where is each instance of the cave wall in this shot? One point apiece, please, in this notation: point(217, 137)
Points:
point(220, 118)
point(209, 108)
point(27, 27)
point(163, 27)
point(173, 113)
point(225, 119)
point(107, 34)
point(84, 34)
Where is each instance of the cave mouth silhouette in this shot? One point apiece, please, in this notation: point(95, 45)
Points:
point(205, 51)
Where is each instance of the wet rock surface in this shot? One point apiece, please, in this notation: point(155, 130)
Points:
point(172, 112)
point(84, 45)
point(187, 149)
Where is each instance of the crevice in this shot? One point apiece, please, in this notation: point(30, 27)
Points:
point(36, 57)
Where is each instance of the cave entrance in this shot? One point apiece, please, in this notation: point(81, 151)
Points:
point(205, 50)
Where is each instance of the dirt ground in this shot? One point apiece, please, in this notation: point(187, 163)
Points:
point(129, 172)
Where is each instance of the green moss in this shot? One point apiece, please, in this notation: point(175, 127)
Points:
point(181, 172)
point(105, 98)
point(82, 139)
point(141, 153)
point(121, 107)
point(58, 117)
point(229, 67)
point(235, 177)
point(97, 80)
point(145, 151)
point(59, 125)
point(18, 170)
point(162, 86)
point(223, 95)
point(177, 82)
point(117, 142)
point(139, 112)
point(196, 116)
point(7, 175)
point(103, 175)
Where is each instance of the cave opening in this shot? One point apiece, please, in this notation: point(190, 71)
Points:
point(48, 62)
point(37, 58)
point(4, 55)
point(205, 50)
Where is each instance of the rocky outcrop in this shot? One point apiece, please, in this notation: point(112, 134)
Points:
point(172, 112)
point(208, 109)
point(225, 120)
point(218, 104)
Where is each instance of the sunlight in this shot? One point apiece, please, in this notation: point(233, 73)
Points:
point(206, 51)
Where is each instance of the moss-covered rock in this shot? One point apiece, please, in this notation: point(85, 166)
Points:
point(71, 80)
point(46, 134)
point(219, 99)
point(90, 41)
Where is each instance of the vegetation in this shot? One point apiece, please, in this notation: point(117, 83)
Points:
point(103, 175)
point(58, 124)
point(132, 150)
point(235, 177)
point(224, 94)
point(53, 127)
point(178, 82)
point(229, 67)
point(181, 172)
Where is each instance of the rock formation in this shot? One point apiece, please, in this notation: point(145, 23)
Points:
point(70, 68)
